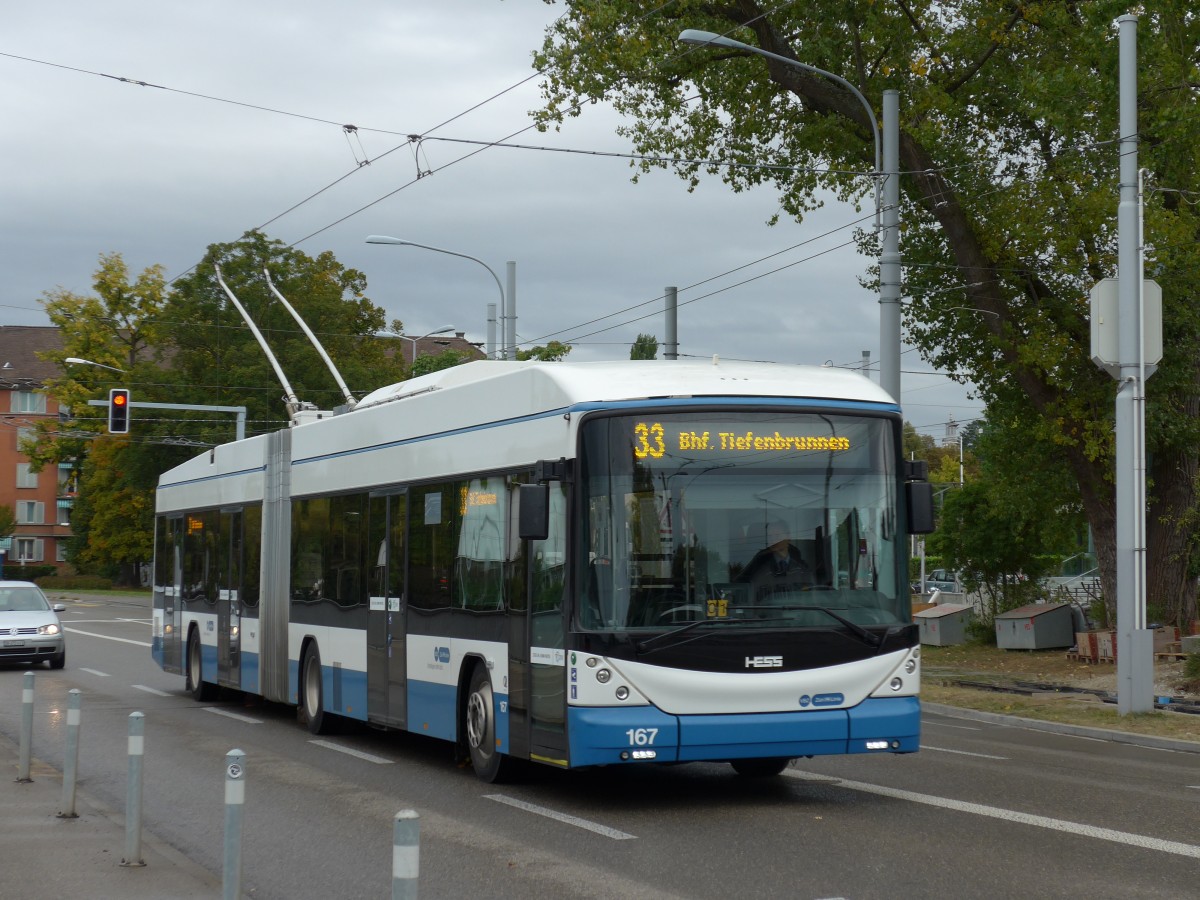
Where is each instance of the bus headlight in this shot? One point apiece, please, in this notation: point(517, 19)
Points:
point(603, 676)
point(622, 693)
point(896, 684)
point(910, 666)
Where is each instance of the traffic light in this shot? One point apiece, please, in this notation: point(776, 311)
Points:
point(118, 411)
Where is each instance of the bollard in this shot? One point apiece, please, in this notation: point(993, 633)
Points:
point(406, 854)
point(235, 803)
point(133, 792)
point(26, 728)
point(71, 760)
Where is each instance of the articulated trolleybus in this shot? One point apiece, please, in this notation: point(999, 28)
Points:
point(580, 564)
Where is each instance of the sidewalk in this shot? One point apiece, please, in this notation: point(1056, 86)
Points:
point(45, 856)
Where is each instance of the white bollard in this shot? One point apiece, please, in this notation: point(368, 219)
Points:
point(71, 760)
point(26, 728)
point(235, 804)
point(406, 854)
point(133, 791)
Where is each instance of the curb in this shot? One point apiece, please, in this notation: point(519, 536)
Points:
point(1101, 734)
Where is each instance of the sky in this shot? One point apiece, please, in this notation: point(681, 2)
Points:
point(155, 129)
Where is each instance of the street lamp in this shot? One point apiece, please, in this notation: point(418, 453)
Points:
point(507, 314)
point(75, 360)
point(887, 165)
point(404, 337)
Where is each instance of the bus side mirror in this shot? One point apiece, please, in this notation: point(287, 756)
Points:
point(533, 520)
point(919, 497)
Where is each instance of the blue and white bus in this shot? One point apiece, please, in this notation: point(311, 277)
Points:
point(580, 564)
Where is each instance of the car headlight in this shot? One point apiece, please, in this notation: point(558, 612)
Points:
point(49, 629)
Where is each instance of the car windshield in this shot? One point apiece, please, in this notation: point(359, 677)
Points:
point(22, 599)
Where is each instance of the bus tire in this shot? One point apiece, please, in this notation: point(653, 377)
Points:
point(479, 727)
point(312, 692)
point(196, 685)
point(760, 768)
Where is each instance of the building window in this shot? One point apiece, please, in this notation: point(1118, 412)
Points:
point(25, 477)
point(30, 512)
point(60, 551)
point(28, 402)
point(29, 550)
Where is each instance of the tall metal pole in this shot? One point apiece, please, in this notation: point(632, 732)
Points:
point(491, 331)
point(671, 344)
point(510, 315)
point(889, 260)
point(1135, 643)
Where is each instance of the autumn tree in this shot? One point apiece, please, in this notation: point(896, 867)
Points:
point(1009, 189)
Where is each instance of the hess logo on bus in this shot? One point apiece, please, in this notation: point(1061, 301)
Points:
point(764, 662)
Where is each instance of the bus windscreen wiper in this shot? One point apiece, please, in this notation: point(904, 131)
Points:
point(870, 638)
point(643, 646)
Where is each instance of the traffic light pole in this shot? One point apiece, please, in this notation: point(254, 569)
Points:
point(141, 404)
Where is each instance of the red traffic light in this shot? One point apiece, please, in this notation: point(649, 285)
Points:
point(118, 411)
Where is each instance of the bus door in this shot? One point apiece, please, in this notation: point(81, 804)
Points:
point(168, 586)
point(549, 668)
point(386, 621)
point(228, 590)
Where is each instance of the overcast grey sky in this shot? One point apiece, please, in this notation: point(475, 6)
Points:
point(238, 125)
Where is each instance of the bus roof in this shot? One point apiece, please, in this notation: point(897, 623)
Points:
point(557, 384)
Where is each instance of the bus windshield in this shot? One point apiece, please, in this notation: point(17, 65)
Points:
point(725, 518)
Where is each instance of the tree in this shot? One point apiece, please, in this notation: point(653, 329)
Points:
point(1009, 194)
point(644, 347)
point(555, 351)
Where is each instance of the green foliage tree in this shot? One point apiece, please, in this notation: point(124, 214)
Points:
point(8, 521)
point(423, 365)
point(645, 346)
point(1009, 191)
point(554, 351)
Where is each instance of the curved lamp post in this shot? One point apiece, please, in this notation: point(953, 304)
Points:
point(400, 242)
point(887, 165)
point(413, 340)
point(75, 360)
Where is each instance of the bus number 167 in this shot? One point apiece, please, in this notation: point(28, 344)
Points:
point(641, 737)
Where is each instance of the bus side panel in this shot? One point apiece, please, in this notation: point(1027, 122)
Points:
point(434, 666)
point(343, 667)
point(275, 680)
point(250, 655)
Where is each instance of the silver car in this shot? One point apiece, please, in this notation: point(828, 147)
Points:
point(29, 628)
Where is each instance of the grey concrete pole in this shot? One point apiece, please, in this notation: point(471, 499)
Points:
point(133, 791)
point(671, 344)
point(889, 261)
point(1135, 643)
point(491, 331)
point(26, 750)
point(71, 758)
point(406, 855)
point(510, 315)
point(235, 803)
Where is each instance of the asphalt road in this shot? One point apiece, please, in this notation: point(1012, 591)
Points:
point(985, 810)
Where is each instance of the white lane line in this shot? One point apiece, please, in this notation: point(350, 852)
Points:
point(107, 637)
point(149, 690)
point(1010, 815)
point(961, 752)
point(95, 672)
point(948, 725)
point(350, 751)
point(232, 715)
point(595, 827)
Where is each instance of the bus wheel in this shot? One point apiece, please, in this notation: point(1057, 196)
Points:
point(196, 685)
point(760, 768)
point(312, 703)
point(480, 728)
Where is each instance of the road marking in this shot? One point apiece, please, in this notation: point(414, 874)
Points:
point(150, 690)
point(948, 725)
point(350, 751)
point(232, 715)
point(1010, 815)
point(961, 752)
point(94, 672)
point(595, 827)
point(108, 637)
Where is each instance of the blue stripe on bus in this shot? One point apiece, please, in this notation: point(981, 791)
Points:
point(431, 709)
point(249, 674)
point(598, 736)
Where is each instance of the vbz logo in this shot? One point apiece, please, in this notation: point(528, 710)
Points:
point(764, 662)
point(441, 654)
